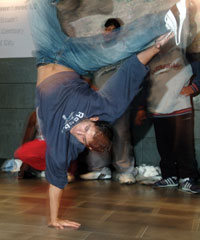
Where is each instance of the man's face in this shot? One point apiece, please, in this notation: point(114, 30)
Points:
point(85, 131)
point(109, 33)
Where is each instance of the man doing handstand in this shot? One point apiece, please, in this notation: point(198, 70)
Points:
point(68, 109)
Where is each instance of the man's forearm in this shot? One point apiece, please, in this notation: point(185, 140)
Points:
point(55, 195)
point(145, 56)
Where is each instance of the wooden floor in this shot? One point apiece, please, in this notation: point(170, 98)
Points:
point(106, 210)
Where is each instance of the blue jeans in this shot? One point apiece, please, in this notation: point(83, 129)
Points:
point(88, 53)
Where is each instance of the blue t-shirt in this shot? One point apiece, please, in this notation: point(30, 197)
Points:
point(63, 100)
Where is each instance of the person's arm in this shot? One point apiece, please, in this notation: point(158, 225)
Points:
point(140, 116)
point(121, 88)
point(146, 55)
point(194, 87)
point(30, 129)
point(142, 105)
point(55, 195)
point(187, 91)
point(141, 113)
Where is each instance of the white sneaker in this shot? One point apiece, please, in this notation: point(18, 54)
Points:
point(42, 174)
point(104, 174)
point(174, 19)
point(125, 178)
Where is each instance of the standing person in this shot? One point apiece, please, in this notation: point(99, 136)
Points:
point(173, 118)
point(121, 156)
point(169, 102)
point(68, 110)
point(32, 151)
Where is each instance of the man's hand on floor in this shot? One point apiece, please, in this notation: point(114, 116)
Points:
point(61, 224)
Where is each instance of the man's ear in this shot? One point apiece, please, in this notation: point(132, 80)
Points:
point(94, 119)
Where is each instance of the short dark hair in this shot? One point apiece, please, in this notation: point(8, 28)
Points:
point(102, 140)
point(112, 21)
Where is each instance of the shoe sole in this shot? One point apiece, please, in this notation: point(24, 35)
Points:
point(187, 191)
point(178, 8)
point(170, 19)
point(170, 186)
point(104, 177)
point(175, 14)
point(100, 177)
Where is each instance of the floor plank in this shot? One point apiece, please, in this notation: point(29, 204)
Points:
point(106, 210)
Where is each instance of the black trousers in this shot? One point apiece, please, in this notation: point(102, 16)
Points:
point(175, 143)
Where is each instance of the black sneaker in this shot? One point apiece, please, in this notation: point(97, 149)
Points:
point(166, 182)
point(188, 185)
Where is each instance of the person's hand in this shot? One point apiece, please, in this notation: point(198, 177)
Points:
point(140, 117)
point(61, 224)
point(94, 87)
point(163, 39)
point(187, 91)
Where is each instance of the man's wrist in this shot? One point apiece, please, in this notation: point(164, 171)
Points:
point(157, 47)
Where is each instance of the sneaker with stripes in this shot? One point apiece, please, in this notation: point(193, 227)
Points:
point(189, 186)
point(166, 182)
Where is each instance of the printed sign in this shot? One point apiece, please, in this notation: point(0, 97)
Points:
point(15, 35)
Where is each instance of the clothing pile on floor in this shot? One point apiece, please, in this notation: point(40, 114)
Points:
point(147, 174)
point(16, 165)
point(11, 165)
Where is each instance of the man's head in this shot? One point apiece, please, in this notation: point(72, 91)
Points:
point(94, 134)
point(111, 28)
